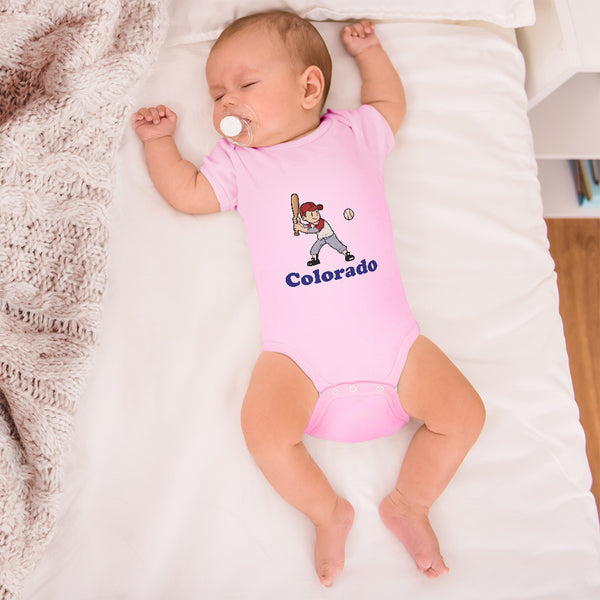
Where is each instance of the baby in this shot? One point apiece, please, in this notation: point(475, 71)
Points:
point(359, 368)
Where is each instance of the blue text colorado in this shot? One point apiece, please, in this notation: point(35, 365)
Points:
point(294, 279)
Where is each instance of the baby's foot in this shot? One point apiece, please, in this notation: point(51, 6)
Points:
point(411, 526)
point(331, 542)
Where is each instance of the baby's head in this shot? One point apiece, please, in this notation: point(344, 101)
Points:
point(277, 64)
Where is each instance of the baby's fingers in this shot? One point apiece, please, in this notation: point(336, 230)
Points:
point(151, 114)
point(154, 115)
point(148, 114)
point(350, 31)
point(168, 113)
point(141, 114)
point(361, 29)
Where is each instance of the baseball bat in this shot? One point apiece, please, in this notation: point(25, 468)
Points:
point(295, 210)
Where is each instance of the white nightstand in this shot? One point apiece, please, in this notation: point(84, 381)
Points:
point(562, 57)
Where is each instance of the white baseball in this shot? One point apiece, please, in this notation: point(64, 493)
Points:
point(349, 214)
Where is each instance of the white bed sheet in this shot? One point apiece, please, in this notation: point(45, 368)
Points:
point(162, 499)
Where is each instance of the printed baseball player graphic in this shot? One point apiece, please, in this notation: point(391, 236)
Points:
point(310, 221)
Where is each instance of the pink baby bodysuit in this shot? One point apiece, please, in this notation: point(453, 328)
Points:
point(331, 297)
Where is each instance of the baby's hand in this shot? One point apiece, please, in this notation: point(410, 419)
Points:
point(358, 37)
point(154, 122)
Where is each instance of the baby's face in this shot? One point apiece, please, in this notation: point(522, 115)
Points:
point(253, 67)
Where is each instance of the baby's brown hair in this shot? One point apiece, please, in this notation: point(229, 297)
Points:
point(299, 36)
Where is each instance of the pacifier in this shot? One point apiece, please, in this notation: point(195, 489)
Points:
point(238, 125)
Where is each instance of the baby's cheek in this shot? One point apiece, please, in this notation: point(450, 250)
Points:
point(216, 120)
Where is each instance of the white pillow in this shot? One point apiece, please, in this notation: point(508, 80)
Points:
point(193, 20)
point(506, 13)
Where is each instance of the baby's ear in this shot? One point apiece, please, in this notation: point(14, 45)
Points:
point(313, 84)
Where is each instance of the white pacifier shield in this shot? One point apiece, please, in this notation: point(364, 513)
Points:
point(231, 126)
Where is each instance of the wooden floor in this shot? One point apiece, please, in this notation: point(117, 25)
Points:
point(575, 247)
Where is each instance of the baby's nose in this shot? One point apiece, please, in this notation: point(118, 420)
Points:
point(230, 99)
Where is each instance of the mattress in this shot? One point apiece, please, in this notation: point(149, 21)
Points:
point(162, 499)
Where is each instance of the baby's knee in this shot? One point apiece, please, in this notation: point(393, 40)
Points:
point(479, 412)
point(262, 434)
point(473, 417)
point(253, 429)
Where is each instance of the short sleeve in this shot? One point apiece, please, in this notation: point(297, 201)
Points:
point(370, 128)
point(218, 167)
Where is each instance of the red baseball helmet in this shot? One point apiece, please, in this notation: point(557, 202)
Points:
point(310, 206)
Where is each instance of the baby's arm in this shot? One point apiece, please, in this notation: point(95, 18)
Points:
point(177, 180)
point(381, 84)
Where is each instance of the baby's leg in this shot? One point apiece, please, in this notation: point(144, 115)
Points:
point(434, 391)
point(277, 408)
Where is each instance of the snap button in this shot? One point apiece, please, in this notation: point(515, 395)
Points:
point(335, 391)
point(379, 388)
point(353, 388)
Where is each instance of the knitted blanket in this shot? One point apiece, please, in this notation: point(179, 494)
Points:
point(67, 71)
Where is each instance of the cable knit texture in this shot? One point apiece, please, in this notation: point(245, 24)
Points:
point(67, 73)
